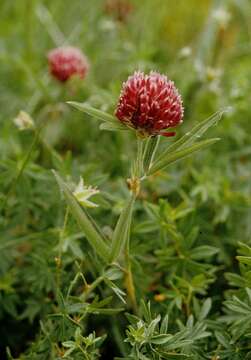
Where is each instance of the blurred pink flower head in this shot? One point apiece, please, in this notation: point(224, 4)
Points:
point(66, 61)
point(150, 104)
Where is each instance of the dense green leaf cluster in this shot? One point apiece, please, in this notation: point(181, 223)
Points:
point(182, 290)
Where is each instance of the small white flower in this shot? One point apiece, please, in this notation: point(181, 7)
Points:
point(222, 16)
point(82, 193)
point(185, 52)
point(107, 25)
point(23, 121)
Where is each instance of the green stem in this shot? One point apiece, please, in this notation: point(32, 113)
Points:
point(59, 258)
point(84, 352)
point(138, 167)
point(91, 287)
point(119, 339)
point(21, 170)
point(188, 302)
point(129, 279)
point(149, 152)
point(134, 184)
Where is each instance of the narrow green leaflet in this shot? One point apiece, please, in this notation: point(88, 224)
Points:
point(244, 259)
point(180, 154)
point(172, 356)
point(164, 324)
point(203, 252)
point(108, 311)
point(91, 233)
point(113, 126)
point(120, 293)
point(193, 135)
point(206, 307)
point(114, 123)
point(122, 229)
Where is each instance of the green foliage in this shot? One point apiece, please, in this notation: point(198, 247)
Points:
point(165, 272)
point(151, 336)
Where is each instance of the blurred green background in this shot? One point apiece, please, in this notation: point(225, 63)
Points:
point(205, 47)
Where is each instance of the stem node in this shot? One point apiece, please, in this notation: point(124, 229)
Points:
point(134, 185)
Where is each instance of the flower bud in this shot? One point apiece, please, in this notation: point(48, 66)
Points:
point(66, 61)
point(23, 121)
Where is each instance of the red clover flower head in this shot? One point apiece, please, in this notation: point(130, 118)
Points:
point(66, 61)
point(150, 104)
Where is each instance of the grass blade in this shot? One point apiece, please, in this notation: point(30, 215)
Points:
point(45, 17)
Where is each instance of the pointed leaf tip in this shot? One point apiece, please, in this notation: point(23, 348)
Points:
point(96, 113)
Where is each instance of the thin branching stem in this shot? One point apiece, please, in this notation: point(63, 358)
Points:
point(22, 167)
